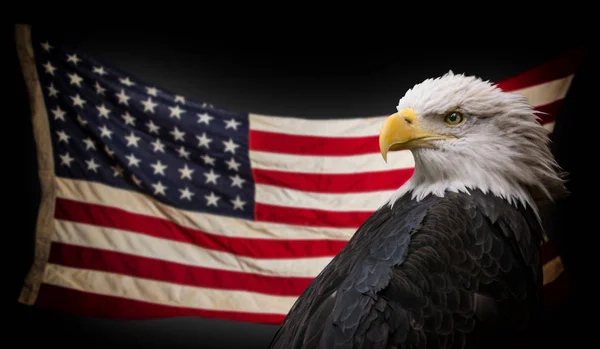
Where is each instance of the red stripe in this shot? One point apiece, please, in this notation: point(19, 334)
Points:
point(548, 253)
point(310, 217)
point(335, 183)
point(557, 68)
point(148, 268)
point(256, 248)
point(312, 145)
point(549, 112)
point(101, 306)
point(335, 146)
point(557, 292)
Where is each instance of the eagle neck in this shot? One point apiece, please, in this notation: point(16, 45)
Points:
point(432, 177)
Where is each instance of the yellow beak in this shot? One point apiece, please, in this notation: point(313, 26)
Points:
point(401, 131)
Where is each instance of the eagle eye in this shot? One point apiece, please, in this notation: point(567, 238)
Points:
point(454, 118)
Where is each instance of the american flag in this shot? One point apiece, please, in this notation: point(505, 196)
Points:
point(157, 205)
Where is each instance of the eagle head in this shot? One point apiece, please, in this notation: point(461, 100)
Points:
point(465, 133)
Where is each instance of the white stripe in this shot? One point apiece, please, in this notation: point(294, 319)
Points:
point(159, 292)
point(331, 164)
point(548, 92)
point(101, 194)
point(348, 127)
point(117, 240)
point(537, 95)
point(279, 196)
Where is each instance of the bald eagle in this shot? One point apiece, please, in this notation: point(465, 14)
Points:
point(452, 260)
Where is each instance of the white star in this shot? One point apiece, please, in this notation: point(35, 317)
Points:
point(204, 118)
point(99, 89)
point(104, 131)
point(62, 136)
point(118, 171)
point(99, 70)
point(208, 160)
point(136, 180)
point(77, 101)
point(149, 105)
point(91, 165)
point(123, 98)
point(176, 112)
point(89, 143)
point(152, 91)
point(103, 111)
point(159, 188)
point(58, 113)
point(126, 81)
point(152, 128)
point(179, 98)
point(203, 141)
point(53, 91)
point(49, 68)
point(133, 161)
point(75, 79)
point(158, 146)
point(186, 172)
point(230, 145)
point(183, 153)
point(159, 168)
point(132, 140)
point(211, 177)
point(236, 181)
point(238, 203)
point(65, 159)
point(46, 46)
point(81, 121)
point(232, 124)
point(129, 120)
point(211, 200)
point(178, 135)
point(186, 194)
point(232, 164)
point(73, 58)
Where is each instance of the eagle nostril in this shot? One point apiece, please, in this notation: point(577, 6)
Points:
point(408, 121)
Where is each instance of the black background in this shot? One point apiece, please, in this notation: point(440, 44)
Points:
point(251, 72)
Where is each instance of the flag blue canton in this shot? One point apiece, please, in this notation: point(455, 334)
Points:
point(109, 127)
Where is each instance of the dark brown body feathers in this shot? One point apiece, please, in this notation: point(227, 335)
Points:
point(453, 272)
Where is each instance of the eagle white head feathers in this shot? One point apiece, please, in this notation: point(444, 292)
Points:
point(466, 133)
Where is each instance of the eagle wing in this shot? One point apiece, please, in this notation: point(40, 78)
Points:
point(439, 273)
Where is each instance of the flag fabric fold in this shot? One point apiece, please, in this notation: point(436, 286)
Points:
point(157, 205)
